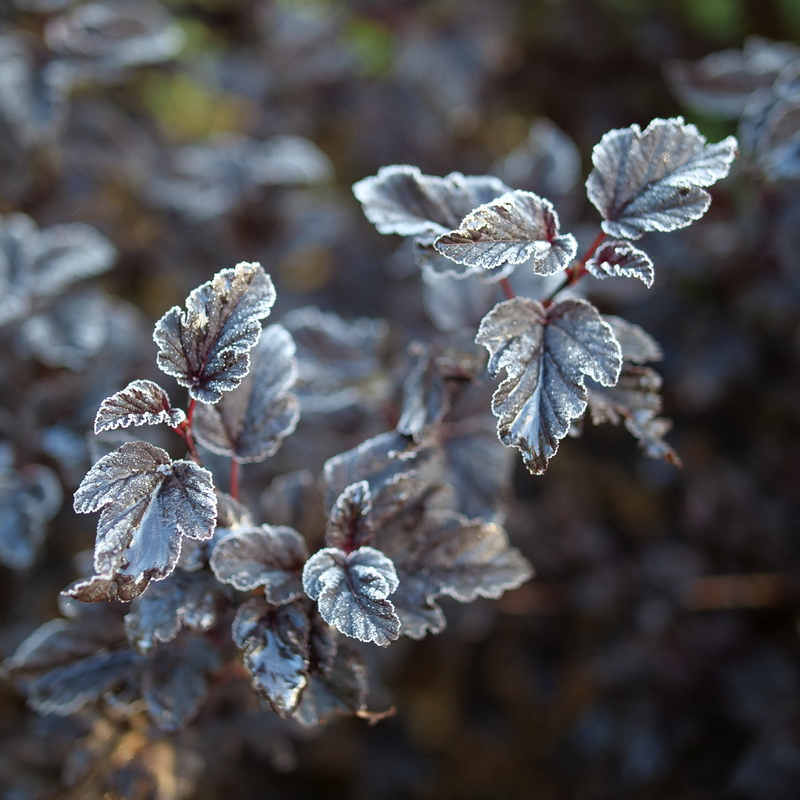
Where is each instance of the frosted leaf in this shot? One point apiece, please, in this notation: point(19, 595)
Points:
point(29, 499)
point(272, 557)
point(139, 403)
point(275, 641)
point(116, 34)
point(191, 599)
point(350, 523)
point(777, 147)
point(290, 160)
point(637, 388)
point(510, 230)
point(653, 180)
point(102, 587)
point(342, 689)
point(620, 258)
point(207, 347)
point(546, 354)
point(339, 362)
point(175, 680)
point(448, 554)
point(147, 503)
point(650, 431)
point(722, 83)
point(351, 590)
point(637, 346)
point(453, 304)
point(400, 199)
point(249, 423)
point(425, 397)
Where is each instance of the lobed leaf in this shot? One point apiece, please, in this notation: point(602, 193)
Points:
point(207, 347)
point(546, 354)
point(249, 423)
point(350, 523)
point(147, 503)
point(510, 230)
point(276, 645)
point(351, 590)
point(272, 557)
point(139, 403)
point(653, 180)
point(620, 258)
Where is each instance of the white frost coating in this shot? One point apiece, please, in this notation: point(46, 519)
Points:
point(653, 180)
point(546, 355)
point(621, 258)
point(139, 403)
point(351, 591)
point(510, 230)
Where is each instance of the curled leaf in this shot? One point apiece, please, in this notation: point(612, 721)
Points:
point(139, 403)
point(349, 526)
point(620, 258)
point(546, 354)
point(653, 180)
point(207, 346)
point(351, 590)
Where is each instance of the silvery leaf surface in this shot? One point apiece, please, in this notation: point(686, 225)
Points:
point(147, 503)
point(351, 590)
point(400, 199)
point(547, 353)
point(29, 499)
point(350, 524)
point(449, 554)
point(722, 83)
point(185, 599)
point(650, 431)
point(340, 690)
point(636, 344)
point(272, 557)
point(249, 423)
point(510, 230)
point(339, 362)
point(207, 346)
point(620, 258)
point(276, 645)
point(653, 180)
point(139, 403)
point(174, 680)
point(425, 396)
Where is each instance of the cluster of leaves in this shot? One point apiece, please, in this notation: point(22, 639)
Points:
point(651, 180)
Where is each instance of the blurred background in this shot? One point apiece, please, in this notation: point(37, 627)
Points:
point(656, 653)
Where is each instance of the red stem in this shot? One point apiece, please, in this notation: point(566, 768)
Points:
point(576, 272)
point(185, 431)
point(234, 479)
point(600, 238)
point(508, 289)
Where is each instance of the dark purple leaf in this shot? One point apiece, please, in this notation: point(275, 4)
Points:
point(425, 396)
point(546, 354)
point(351, 590)
point(637, 346)
point(510, 230)
point(650, 431)
point(350, 523)
point(620, 258)
point(448, 554)
point(276, 645)
point(653, 180)
point(207, 347)
point(637, 388)
point(191, 599)
point(454, 304)
point(139, 403)
point(272, 557)
point(175, 680)
point(340, 690)
point(250, 423)
point(148, 502)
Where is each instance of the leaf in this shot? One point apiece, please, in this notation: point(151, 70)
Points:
point(510, 230)
point(620, 258)
point(339, 362)
point(546, 354)
point(191, 599)
point(454, 304)
point(650, 431)
point(147, 503)
point(637, 346)
point(276, 642)
point(448, 554)
point(351, 591)
point(400, 199)
point(653, 180)
point(175, 680)
point(350, 524)
point(342, 689)
point(139, 403)
point(272, 557)
point(206, 347)
point(637, 388)
point(425, 396)
point(250, 423)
